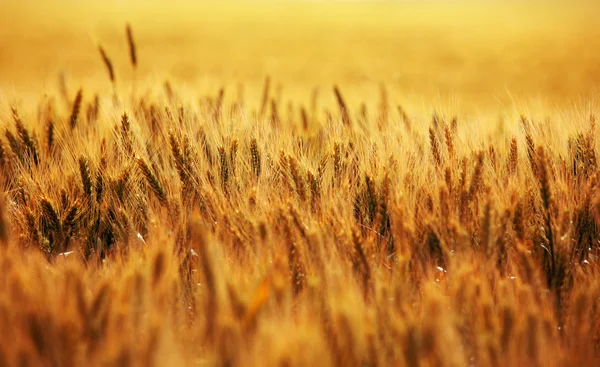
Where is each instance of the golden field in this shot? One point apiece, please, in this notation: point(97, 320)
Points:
point(296, 183)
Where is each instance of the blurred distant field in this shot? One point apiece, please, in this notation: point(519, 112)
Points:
point(462, 54)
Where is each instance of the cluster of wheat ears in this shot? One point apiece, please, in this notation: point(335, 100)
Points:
point(161, 230)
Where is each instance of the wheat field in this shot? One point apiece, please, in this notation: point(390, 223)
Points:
point(292, 183)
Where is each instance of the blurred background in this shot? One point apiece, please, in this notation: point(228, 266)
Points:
point(483, 53)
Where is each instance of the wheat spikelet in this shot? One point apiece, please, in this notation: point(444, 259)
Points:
point(545, 192)
point(50, 135)
point(435, 120)
point(486, 228)
point(86, 176)
point(69, 224)
point(321, 168)
point(543, 178)
point(100, 178)
point(131, 44)
point(26, 140)
point(304, 117)
point(233, 155)
point(477, 178)
point(50, 215)
point(531, 153)
point(108, 64)
point(92, 110)
point(283, 174)
point(576, 149)
point(126, 137)
point(296, 219)
point(297, 178)
point(435, 148)
point(448, 134)
point(513, 157)
point(75, 109)
point(342, 105)
point(153, 181)
point(15, 145)
point(315, 190)
point(454, 125)
point(385, 225)
point(180, 163)
point(337, 162)
point(449, 181)
point(371, 199)
point(353, 159)
point(125, 124)
point(255, 159)
point(32, 227)
point(224, 170)
point(493, 157)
